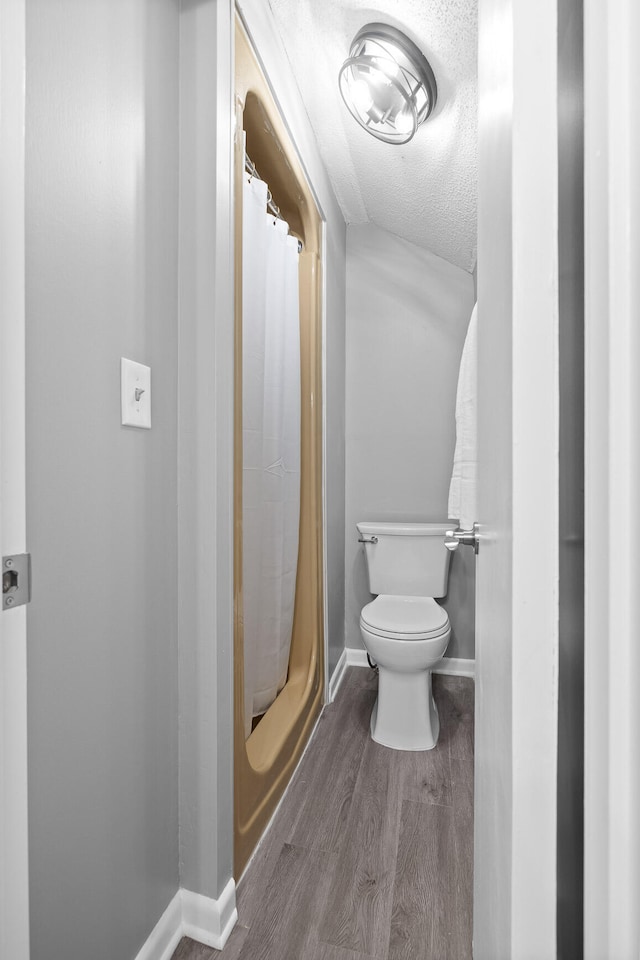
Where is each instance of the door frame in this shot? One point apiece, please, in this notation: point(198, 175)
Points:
point(612, 480)
point(14, 861)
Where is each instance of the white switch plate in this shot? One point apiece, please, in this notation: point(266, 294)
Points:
point(135, 393)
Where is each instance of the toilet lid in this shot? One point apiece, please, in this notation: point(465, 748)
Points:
point(410, 616)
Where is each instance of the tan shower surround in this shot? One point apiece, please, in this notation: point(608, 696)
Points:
point(265, 761)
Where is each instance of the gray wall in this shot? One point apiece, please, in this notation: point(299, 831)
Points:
point(101, 498)
point(407, 316)
point(571, 518)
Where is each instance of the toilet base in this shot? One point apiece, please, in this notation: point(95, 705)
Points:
point(405, 716)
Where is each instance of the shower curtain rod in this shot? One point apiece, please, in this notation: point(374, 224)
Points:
point(251, 169)
point(273, 208)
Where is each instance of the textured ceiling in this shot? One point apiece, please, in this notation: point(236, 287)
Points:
point(425, 190)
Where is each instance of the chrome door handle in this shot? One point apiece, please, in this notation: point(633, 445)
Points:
point(471, 538)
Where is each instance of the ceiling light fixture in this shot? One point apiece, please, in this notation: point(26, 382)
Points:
point(387, 83)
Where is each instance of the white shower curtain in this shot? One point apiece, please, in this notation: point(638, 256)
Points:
point(271, 447)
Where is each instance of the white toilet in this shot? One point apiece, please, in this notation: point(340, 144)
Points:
point(404, 630)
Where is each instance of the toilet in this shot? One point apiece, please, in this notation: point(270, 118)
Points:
point(404, 630)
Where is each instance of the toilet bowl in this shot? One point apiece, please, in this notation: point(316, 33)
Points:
point(404, 630)
point(406, 637)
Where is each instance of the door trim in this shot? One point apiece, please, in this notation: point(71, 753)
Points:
point(14, 863)
point(612, 478)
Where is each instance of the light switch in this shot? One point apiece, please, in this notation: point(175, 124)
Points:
point(135, 391)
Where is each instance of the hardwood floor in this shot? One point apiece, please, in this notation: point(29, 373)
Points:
point(371, 854)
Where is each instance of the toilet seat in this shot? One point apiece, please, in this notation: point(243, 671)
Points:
point(405, 618)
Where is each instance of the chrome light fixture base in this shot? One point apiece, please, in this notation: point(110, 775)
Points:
point(387, 84)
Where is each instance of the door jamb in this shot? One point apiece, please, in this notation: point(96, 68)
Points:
point(14, 863)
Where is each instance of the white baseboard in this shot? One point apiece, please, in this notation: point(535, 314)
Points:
point(192, 915)
point(209, 921)
point(453, 666)
point(338, 675)
point(166, 935)
point(356, 658)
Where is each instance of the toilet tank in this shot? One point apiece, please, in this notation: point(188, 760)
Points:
point(408, 559)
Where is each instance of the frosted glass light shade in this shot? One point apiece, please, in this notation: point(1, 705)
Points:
point(387, 83)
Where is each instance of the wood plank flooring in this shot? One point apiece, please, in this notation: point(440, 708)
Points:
point(371, 854)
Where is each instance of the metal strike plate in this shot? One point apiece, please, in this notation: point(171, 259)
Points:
point(16, 580)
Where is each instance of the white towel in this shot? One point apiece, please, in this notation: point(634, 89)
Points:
point(462, 492)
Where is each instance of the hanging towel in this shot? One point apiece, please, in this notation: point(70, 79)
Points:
point(464, 478)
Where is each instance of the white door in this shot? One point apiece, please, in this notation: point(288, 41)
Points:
point(517, 565)
point(14, 913)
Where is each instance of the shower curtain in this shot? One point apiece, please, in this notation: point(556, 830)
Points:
point(271, 447)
